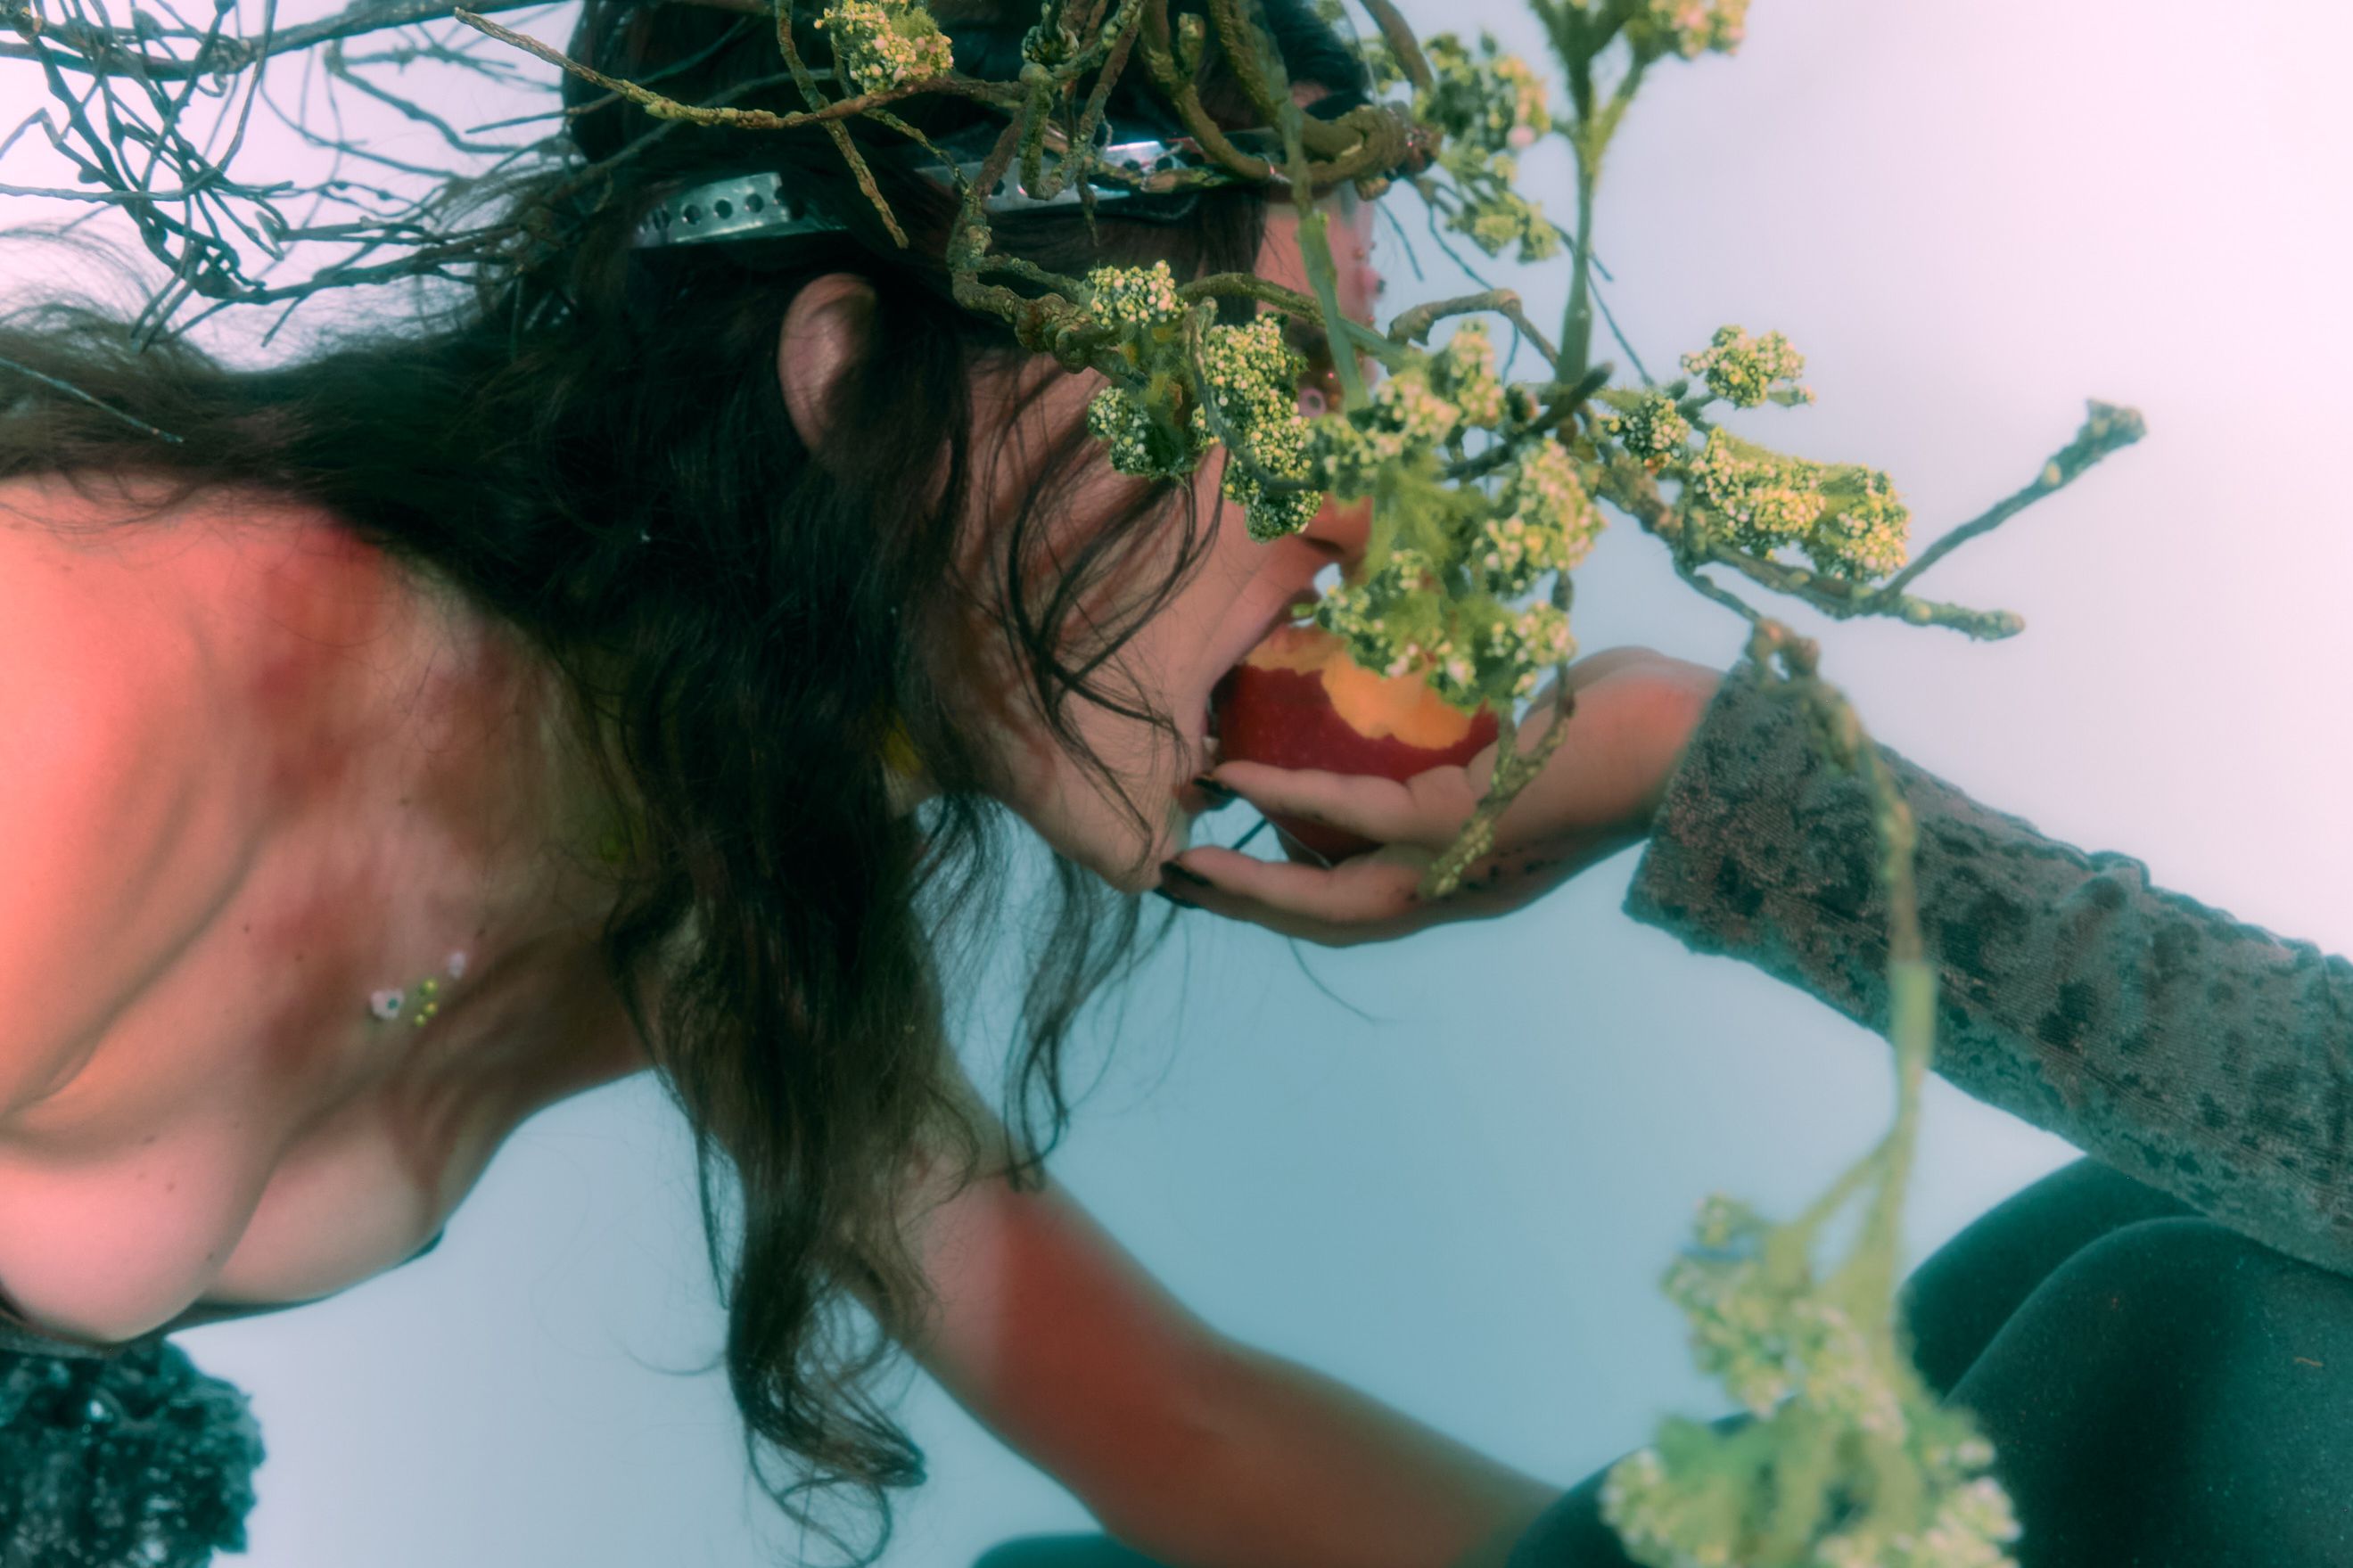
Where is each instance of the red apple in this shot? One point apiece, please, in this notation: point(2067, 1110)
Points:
point(1300, 701)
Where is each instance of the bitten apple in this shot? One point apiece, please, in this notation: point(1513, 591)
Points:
point(1298, 700)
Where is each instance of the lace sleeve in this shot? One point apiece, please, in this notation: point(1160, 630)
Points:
point(2208, 1059)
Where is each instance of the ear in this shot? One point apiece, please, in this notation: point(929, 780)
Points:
point(824, 329)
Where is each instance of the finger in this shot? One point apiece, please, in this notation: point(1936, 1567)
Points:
point(1427, 810)
point(1369, 898)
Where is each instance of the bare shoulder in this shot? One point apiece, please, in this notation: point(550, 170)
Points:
point(118, 840)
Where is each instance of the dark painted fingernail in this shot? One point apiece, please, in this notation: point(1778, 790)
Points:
point(1181, 903)
point(1218, 794)
point(1169, 868)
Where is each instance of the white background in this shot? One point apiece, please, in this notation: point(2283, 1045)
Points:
point(1969, 219)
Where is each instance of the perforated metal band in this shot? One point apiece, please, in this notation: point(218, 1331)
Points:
point(758, 204)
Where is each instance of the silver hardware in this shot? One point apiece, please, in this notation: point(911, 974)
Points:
point(760, 205)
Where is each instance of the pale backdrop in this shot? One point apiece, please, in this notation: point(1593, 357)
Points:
point(1458, 1191)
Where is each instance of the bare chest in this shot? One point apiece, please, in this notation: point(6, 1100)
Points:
point(253, 1132)
point(254, 1122)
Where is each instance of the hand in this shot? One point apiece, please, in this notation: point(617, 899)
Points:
point(1635, 712)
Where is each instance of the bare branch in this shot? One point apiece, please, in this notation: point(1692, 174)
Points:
point(118, 51)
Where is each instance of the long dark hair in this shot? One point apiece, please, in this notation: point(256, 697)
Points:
point(594, 447)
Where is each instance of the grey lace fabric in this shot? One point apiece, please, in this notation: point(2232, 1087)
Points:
point(2207, 1058)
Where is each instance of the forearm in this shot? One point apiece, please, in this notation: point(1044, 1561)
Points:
point(1306, 1472)
point(2191, 1051)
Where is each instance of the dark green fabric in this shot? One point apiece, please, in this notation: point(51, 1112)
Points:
point(126, 1454)
point(2161, 1390)
point(132, 1458)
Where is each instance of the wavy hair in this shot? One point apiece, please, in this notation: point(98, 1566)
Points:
point(593, 446)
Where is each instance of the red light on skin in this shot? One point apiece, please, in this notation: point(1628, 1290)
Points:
point(1299, 702)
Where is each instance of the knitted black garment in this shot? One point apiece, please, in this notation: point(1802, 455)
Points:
point(136, 1460)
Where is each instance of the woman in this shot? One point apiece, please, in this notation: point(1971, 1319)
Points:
point(548, 654)
point(525, 675)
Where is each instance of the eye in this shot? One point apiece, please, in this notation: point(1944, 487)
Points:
point(1319, 386)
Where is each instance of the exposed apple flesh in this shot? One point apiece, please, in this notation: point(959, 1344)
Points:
point(1298, 700)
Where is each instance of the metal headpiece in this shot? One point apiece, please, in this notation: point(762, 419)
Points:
point(759, 205)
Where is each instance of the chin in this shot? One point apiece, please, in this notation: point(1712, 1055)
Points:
point(1110, 846)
